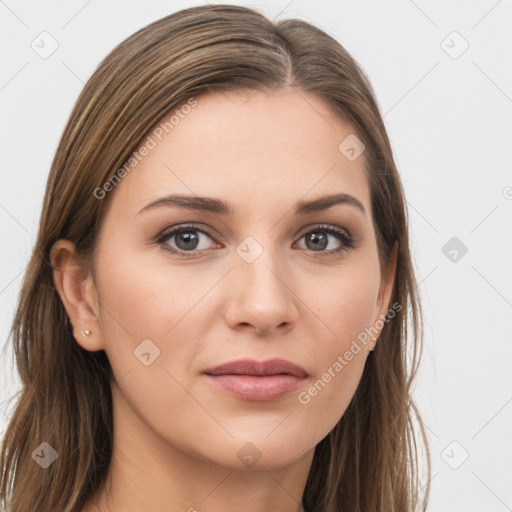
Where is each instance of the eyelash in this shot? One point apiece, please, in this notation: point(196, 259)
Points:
point(342, 235)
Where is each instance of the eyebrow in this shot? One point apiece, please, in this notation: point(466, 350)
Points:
point(219, 206)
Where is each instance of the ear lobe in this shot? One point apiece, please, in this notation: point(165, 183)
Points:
point(77, 292)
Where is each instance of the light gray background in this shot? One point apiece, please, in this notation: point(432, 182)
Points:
point(449, 117)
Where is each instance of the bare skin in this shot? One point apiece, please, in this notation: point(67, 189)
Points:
point(177, 437)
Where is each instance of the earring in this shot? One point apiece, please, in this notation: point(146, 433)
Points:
point(373, 339)
point(86, 333)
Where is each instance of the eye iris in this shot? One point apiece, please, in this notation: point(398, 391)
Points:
point(189, 238)
point(320, 241)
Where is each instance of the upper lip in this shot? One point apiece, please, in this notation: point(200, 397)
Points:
point(253, 367)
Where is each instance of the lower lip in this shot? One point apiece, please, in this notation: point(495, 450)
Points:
point(252, 387)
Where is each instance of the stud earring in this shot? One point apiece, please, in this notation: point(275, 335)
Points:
point(86, 332)
point(373, 339)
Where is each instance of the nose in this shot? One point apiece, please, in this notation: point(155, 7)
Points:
point(260, 296)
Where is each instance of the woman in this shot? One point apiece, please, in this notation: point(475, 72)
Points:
point(217, 312)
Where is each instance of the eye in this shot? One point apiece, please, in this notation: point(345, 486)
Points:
point(317, 239)
point(187, 240)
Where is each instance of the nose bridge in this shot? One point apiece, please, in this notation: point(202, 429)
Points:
point(261, 264)
point(260, 294)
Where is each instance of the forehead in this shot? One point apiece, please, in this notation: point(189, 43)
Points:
point(271, 148)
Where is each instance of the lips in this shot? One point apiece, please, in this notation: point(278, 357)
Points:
point(247, 379)
point(256, 368)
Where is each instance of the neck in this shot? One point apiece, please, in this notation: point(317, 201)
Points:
point(149, 473)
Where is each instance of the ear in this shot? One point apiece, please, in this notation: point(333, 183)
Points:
point(385, 291)
point(77, 291)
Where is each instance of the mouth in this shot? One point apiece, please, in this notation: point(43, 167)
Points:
point(257, 381)
point(257, 368)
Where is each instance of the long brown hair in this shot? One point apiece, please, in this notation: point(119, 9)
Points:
point(370, 460)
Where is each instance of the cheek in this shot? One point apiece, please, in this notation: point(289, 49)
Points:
point(345, 308)
point(146, 295)
point(345, 303)
point(148, 298)
point(340, 359)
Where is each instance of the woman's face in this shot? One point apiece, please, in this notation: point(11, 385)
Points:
point(260, 282)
